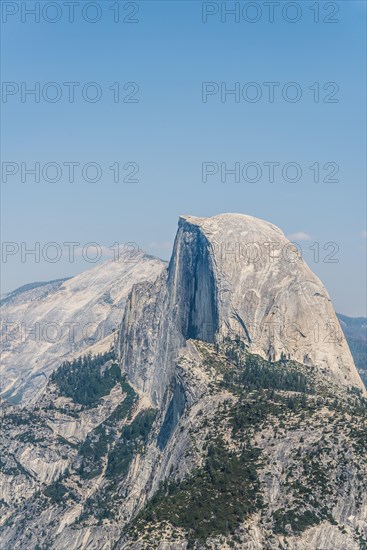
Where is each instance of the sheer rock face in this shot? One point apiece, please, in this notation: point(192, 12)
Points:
point(45, 324)
point(232, 274)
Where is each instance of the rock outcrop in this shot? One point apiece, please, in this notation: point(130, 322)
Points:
point(232, 274)
point(47, 323)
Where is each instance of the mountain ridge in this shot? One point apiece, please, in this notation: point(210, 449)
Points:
point(186, 427)
point(48, 322)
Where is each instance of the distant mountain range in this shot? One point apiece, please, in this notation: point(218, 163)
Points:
point(355, 330)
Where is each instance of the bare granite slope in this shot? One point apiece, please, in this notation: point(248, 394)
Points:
point(232, 274)
point(42, 326)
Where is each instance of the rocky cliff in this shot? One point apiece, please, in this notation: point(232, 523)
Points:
point(214, 421)
point(241, 453)
point(43, 324)
point(232, 275)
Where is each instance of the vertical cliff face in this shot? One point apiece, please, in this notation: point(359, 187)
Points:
point(161, 316)
point(231, 275)
point(192, 285)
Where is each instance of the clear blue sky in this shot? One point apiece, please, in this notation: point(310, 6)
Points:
point(170, 132)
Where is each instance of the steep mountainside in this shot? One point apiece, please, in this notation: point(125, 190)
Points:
point(227, 414)
point(44, 323)
point(242, 453)
point(232, 274)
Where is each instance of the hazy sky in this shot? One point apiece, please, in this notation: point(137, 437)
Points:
point(155, 114)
